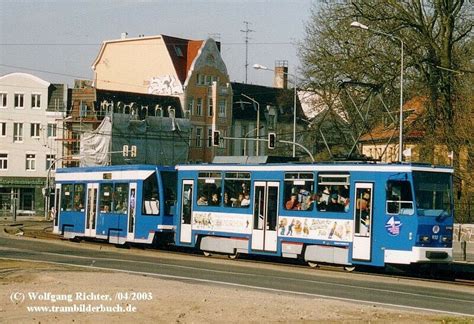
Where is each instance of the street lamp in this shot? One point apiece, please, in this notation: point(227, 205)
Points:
point(258, 120)
point(262, 67)
point(357, 24)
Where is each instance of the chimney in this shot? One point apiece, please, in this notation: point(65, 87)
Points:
point(281, 74)
point(123, 35)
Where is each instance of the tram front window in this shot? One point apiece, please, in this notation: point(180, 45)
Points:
point(433, 193)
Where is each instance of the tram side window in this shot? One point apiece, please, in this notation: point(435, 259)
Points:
point(151, 200)
point(79, 196)
point(120, 198)
point(169, 185)
point(237, 189)
point(209, 189)
point(333, 192)
point(399, 197)
point(299, 191)
point(106, 194)
point(67, 197)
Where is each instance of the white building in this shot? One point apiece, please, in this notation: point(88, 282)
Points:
point(31, 113)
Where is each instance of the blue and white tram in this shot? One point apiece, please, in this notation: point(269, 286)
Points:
point(129, 203)
point(342, 213)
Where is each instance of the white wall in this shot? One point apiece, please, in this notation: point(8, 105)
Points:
point(40, 146)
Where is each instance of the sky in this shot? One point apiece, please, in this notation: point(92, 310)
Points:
point(59, 40)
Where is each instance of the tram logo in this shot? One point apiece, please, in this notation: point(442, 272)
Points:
point(393, 226)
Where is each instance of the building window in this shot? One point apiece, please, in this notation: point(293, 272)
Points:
point(3, 161)
point(198, 107)
point(35, 130)
point(3, 100)
point(271, 121)
point(208, 79)
point(50, 158)
point(222, 107)
point(209, 137)
point(3, 129)
point(191, 105)
point(222, 141)
point(19, 100)
point(158, 111)
point(30, 162)
point(35, 101)
point(178, 51)
point(198, 136)
point(201, 79)
point(17, 132)
point(210, 107)
point(76, 143)
point(51, 130)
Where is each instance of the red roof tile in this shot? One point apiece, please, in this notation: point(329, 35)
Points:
point(412, 110)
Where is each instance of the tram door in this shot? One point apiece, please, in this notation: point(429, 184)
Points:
point(186, 211)
point(363, 213)
point(55, 211)
point(265, 214)
point(91, 210)
point(132, 210)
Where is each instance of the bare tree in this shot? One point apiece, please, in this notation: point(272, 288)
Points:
point(438, 44)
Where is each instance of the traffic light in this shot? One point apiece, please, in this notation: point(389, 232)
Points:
point(271, 140)
point(125, 151)
point(133, 151)
point(216, 138)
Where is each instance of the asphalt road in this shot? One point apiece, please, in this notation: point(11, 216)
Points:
point(405, 293)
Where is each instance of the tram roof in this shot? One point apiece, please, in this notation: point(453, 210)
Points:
point(320, 166)
point(112, 168)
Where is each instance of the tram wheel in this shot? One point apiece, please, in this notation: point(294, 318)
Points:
point(233, 256)
point(206, 254)
point(349, 268)
point(313, 264)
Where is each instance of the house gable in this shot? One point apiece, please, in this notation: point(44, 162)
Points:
point(207, 55)
point(141, 65)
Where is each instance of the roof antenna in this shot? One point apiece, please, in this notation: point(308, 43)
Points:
point(246, 31)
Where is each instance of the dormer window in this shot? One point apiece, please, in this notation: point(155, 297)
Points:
point(178, 51)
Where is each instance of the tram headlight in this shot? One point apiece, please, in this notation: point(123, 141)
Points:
point(446, 239)
point(425, 239)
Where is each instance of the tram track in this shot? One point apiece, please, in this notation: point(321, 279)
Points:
point(30, 231)
point(249, 272)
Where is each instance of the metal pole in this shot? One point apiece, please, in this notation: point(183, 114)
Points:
point(258, 127)
point(14, 208)
point(400, 155)
point(357, 24)
point(258, 118)
point(294, 117)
